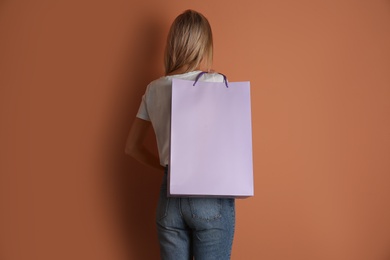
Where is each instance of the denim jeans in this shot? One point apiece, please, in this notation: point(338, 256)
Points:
point(194, 228)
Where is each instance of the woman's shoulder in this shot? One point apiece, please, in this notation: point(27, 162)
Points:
point(212, 76)
point(161, 81)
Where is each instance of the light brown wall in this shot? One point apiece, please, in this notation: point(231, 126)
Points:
point(72, 74)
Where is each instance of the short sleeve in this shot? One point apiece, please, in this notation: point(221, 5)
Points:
point(143, 111)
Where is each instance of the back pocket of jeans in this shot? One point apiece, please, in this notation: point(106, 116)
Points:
point(205, 208)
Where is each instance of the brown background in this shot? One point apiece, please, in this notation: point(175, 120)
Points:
point(72, 76)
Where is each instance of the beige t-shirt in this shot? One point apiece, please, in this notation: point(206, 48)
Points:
point(156, 107)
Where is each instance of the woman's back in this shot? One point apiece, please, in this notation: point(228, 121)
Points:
point(156, 107)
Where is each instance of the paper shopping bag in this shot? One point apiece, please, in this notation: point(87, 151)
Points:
point(211, 139)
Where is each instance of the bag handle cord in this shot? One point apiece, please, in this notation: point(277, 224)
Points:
point(204, 72)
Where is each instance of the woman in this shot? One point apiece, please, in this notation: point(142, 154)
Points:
point(200, 228)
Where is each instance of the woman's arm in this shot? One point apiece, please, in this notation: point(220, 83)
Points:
point(135, 147)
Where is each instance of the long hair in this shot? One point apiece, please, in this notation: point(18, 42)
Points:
point(189, 42)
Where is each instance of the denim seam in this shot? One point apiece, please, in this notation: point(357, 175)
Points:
point(234, 227)
point(165, 210)
point(180, 208)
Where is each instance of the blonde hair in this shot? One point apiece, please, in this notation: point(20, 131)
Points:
point(189, 42)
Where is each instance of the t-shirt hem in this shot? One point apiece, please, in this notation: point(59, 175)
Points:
point(143, 117)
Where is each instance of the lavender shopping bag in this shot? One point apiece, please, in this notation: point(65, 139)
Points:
point(211, 139)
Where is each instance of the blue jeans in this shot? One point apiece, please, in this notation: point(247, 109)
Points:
point(199, 228)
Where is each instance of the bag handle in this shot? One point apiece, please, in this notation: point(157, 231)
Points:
point(204, 72)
